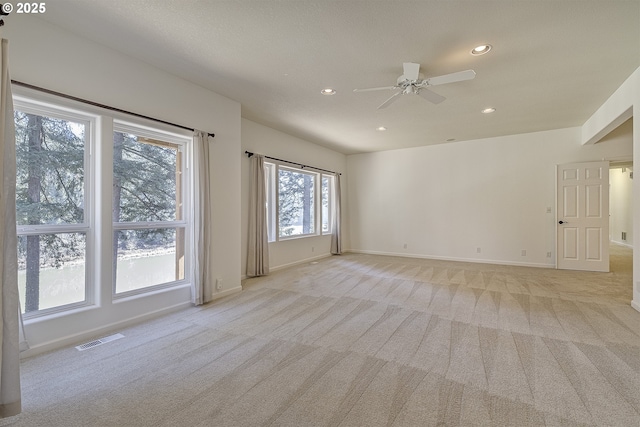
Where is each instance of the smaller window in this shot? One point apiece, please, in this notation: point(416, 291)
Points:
point(270, 188)
point(327, 203)
point(302, 205)
point(296, 202)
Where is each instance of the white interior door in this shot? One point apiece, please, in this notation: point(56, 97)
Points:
point(583, 216)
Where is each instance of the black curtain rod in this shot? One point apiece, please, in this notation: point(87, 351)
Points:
point(249, 154)
point(95, 104)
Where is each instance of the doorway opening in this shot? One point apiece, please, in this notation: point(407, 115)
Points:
point(621, 218)
point(621, 205)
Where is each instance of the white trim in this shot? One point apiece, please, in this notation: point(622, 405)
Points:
point(635, 305)
point(292, 264)
point(626, 245)
point(54, 328)
point(227, 292)
point(302, 261)
point(443, 258)
point(273, 201)
point(92, 333)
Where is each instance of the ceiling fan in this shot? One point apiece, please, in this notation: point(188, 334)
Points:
point(410, 83)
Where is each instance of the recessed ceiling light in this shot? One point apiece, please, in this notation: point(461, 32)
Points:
point(381, 128)
point(328, 91)
point(488, 110)
point(481, 50)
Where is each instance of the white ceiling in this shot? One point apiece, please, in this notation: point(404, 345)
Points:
point(553, 63)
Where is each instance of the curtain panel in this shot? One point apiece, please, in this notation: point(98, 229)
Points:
point(202, 288)
point(10, 395)
point(258, 245)
point(336, 240)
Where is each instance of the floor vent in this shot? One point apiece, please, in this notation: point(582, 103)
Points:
point(99, 341)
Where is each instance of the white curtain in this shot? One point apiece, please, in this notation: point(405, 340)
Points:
point(202, 289)
point(258, 247)
point(10, 396)
point(336, 240)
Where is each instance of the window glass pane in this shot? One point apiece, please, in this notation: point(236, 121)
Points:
point(146, 179)
point(327, 185)
point(269, 176)
point(295, 203)
point(148, 257)
point(51, 270)
point(50, 170)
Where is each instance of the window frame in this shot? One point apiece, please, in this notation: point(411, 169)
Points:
point(331, 201)
point(185, 223)
point(98, 227)
point(272, 184)
point(87, 226)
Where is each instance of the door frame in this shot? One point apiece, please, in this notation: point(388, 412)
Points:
point(583, 221)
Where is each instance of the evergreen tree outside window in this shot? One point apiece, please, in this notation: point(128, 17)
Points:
point(136, 242)
point(148, 203)
point(51, 208)
point(327, 203)
point(296, 202)
point(299, 202)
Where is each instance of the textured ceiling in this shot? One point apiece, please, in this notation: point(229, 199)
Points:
point(552, 65)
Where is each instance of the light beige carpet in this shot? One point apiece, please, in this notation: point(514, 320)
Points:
point(360, 340)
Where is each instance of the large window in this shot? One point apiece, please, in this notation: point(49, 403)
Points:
point(299, 202)
point(51, 207)
point(147, 209)
point(62, 172)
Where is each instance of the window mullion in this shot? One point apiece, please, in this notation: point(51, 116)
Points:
point(148, 225)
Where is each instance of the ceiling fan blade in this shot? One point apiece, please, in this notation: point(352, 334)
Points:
point(431, 96)
point(389, 101)
point(411, 70)
point(451, 78)
point(376, 88)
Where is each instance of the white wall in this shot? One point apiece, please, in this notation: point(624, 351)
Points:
point(621, 205)
point(622, 104)
point(52, 58)
point(445, 201)
point(260, 139)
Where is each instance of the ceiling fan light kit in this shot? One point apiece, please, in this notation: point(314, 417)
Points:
point(410, 83)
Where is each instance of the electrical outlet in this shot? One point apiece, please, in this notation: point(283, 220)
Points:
point(524, 252)
point(313, 249)
point(218, 284)
point(405, 246)
point(478, 250)
point(548, 254)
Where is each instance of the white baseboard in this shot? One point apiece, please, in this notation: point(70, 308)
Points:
point(442, 258)
point(635, 305)
point(103, 330)
point(225, 293)
point(627, 245)
point(302, 261)
point(291, 264)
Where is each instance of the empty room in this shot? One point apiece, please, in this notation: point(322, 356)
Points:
point(320, 213)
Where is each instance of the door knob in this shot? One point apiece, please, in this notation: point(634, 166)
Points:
point(562, 222)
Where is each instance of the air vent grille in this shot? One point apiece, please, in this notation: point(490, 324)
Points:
point(99, 341)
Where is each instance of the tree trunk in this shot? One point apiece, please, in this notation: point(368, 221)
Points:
point(34, 186)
